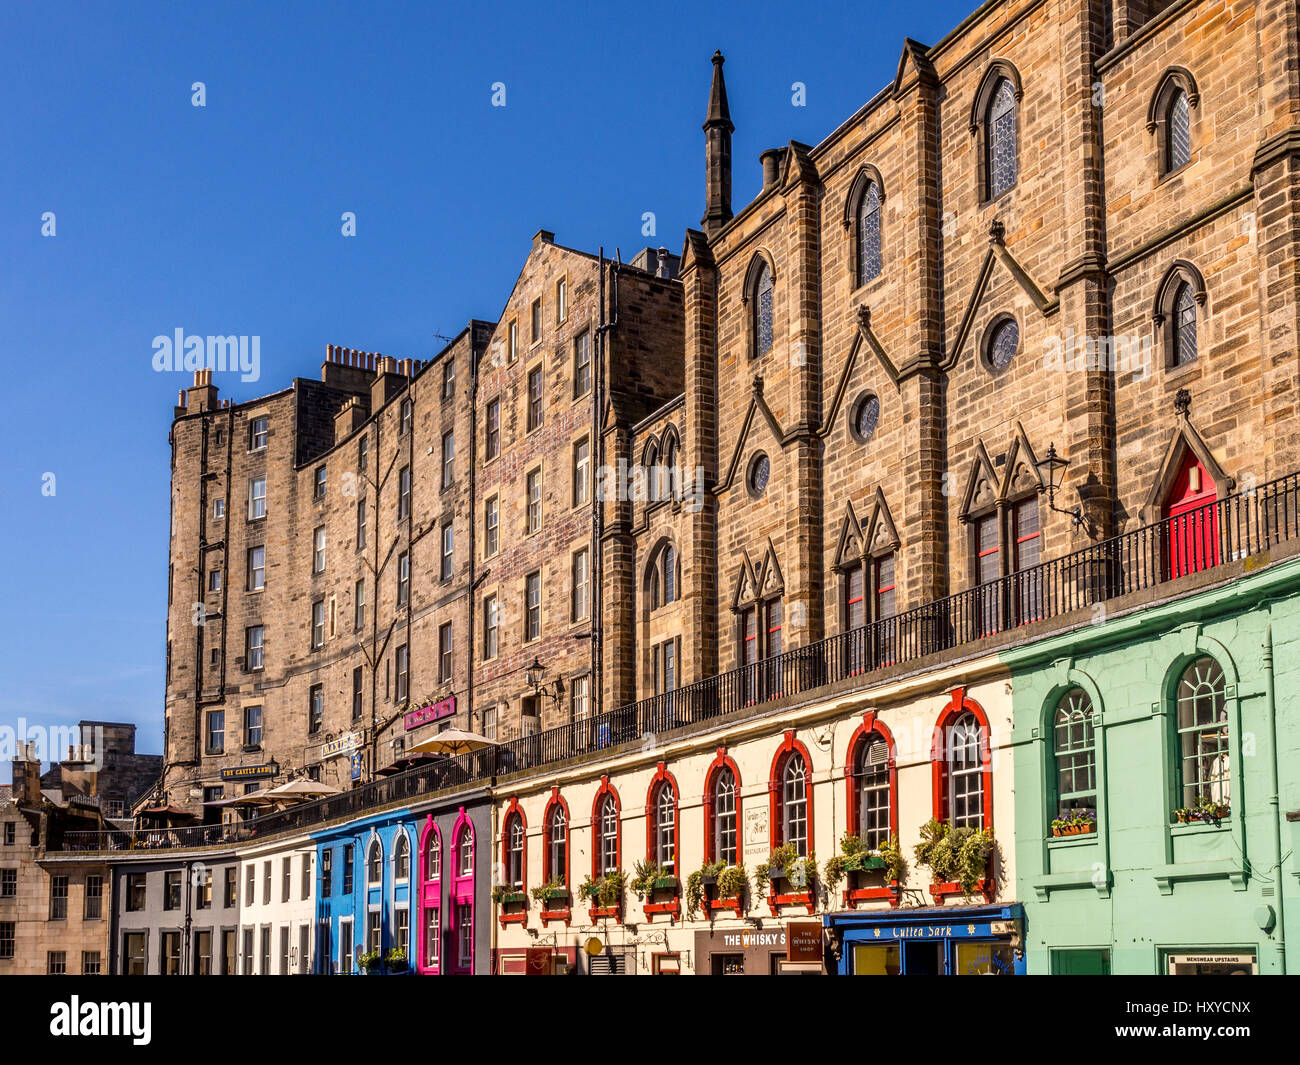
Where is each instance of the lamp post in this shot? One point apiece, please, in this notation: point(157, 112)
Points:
point(535, 678)
point(1052, 468)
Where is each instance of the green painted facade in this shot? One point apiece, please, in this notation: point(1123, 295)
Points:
point(1142, 885)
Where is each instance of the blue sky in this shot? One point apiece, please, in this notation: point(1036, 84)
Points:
point(225, 219)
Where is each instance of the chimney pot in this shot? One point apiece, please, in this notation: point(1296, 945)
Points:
point(771, 160)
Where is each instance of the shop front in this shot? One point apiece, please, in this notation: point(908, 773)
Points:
point(768, 950)
point(947, 941)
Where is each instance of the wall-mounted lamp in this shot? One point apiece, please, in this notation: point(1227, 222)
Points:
point(1052, 468)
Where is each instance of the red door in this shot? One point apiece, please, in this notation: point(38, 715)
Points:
point(1192, 532)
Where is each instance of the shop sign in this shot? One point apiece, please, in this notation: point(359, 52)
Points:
point(356, 765)
point(433, 712)
point(250, 772)
point(804, 941)
point(756, 840)
point(749, 940)
point(345, 744)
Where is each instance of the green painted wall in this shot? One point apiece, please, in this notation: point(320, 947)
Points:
point(1139, 885)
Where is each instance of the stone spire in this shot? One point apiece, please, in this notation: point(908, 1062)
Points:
point(717, 154)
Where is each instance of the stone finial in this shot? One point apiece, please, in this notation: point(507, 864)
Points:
point(997, 231)
point(1182, 402)
point(758, 385)
point(864, 317)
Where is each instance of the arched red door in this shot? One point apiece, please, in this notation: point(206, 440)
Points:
point(1192, 530)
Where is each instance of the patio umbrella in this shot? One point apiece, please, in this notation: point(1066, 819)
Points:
point(301, 789)
point(452, 741)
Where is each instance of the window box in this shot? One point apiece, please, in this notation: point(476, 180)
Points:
point(1073, 830)
point(673, 909)
point(948, 888)
point(863, 863)
point(553, 894)
point(893, 893)
point(511, 898)
point(562, 913)
point(798, 898)
point(615, 912)
point(520, 917)
point(666, 883)
point(732, 904)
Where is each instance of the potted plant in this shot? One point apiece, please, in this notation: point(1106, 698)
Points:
point(733, 882)
point(785, 864)
point(371, 961)
point(648, 878)
point(508, 894)
point(1183, 814)
point(396, 960)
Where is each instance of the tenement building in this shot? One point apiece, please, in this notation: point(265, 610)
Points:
point(894, 582)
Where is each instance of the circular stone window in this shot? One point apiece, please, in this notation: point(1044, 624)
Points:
point(866, 416)
point(1003, 343)
point(759, 471)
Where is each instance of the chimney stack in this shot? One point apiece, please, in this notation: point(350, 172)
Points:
point(717, 154)
point(771, 160)
point(26, 775)
point(202, 395)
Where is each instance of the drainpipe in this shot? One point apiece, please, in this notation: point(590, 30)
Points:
point(473, 525)
point(598, 462)
point(1274, 804)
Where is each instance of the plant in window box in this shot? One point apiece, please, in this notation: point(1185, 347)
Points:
point(553, 890)
point(370, 960)
point(732, 882)
point(1210, 811)
point(1075, 823)
point(606, 890)
point(396, 959)
point(785, 864)
point(705, 876)
point(955, 855)
point(1182, 814)
point(648, 878)
point(508, 894)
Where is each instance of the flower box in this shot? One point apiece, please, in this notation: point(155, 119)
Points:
point(555, 894)
point(615, 912)
point(562, 914)
point(514, 918)
point(732, 904)
point(591, 890)
point(1075, 830)
point(665, 883)
point(796, 898)
point(863, 863)
point(893, 893)
point(513, 898)
point(946, 889)
point(673, 909)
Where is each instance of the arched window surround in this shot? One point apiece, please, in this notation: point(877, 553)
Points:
point(721, 761)
point(958, 704)
point(554, 803)
point(1163, 312)
point(513, 811)
point(1071, 680)
point(374, 860)
point(606, 790)
point(1172, 81)
point(662, 778)
point(789, 746)
point(761, 258)
point(430, 896)
point(998, 70)
point(462, 891)
point(401, 839)
point(657, 575)
point(871, 726)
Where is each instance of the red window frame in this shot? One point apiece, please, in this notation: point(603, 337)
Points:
point(720, 762)
point(597, 839)
point(871, 726)
point(661, 778)
point(776, 797)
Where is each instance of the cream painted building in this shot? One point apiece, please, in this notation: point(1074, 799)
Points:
point(277, 907)
point(875, 763)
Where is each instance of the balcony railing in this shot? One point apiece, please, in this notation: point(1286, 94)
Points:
point(1203, 538)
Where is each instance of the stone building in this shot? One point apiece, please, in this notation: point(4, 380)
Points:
point(358, 561)
point(55, 904)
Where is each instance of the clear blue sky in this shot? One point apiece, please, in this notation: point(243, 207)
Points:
point(226, 220)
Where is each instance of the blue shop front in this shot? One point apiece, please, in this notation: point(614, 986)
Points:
point(941, 941)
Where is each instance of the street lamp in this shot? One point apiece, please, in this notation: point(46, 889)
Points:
point(1052, 469)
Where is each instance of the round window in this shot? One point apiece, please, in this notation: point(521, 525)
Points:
point(866, 416)
point(759, 471)
point(1004, 341)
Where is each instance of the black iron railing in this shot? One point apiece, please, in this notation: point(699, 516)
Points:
point(1202, 538)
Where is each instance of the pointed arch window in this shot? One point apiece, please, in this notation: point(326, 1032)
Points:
point(1184, 331)
point(868, 227)
point(1074, 749)
point(1178, 150)
point(1001, 156)
point(761, 305)
point(1203, 740)
point(664, 577)
point(1170, 118)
